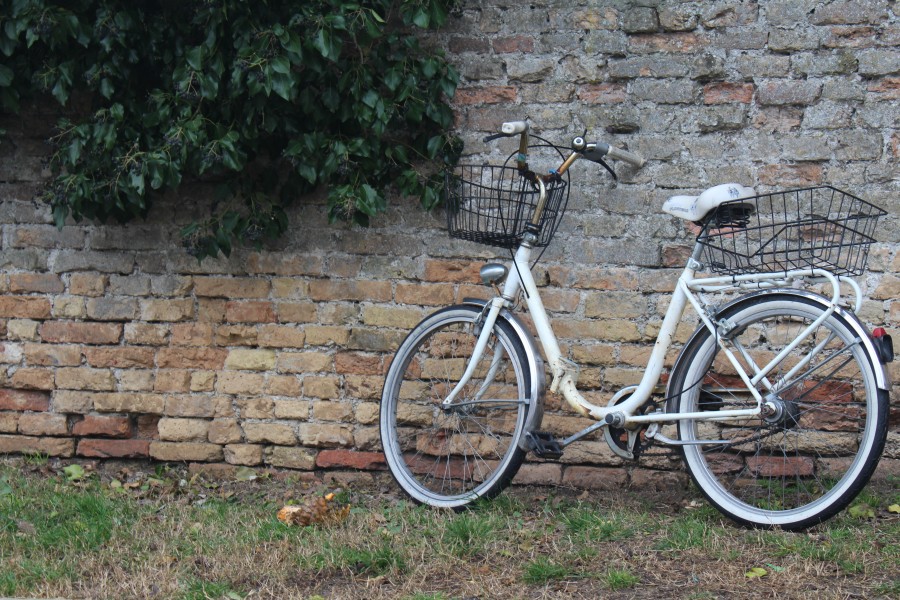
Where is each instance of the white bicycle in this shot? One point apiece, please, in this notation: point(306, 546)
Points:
point(778, 401)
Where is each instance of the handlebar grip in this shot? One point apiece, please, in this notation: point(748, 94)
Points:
point(514, 127)
point(625, 156)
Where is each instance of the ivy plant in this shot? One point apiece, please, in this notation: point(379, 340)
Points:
point(268, 100)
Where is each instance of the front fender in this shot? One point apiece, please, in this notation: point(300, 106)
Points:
point(535, 366)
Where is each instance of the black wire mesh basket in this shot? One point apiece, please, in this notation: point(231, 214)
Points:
point(818, 227)
point(492, 205)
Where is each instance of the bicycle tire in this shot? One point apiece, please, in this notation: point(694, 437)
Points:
point(451, 457)
point(809, 459)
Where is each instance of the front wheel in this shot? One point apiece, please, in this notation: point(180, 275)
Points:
point(449, 456)
point(823, 426)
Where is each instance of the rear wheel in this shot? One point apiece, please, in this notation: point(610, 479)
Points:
point(451, 456)
point(824, 422)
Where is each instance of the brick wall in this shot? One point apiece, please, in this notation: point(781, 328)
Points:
point(115, 343)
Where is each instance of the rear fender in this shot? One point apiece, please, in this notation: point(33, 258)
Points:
point(880, 374)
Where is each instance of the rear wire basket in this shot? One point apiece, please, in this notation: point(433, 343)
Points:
point(492, 205)
point(819, 227)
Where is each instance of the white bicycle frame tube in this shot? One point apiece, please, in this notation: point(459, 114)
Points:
point(520, 278)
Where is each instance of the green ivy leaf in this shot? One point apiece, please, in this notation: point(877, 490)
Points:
point(74, 472)
point(861, 511)
point(755, 573)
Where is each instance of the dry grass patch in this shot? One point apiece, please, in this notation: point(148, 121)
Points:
point(138, 533)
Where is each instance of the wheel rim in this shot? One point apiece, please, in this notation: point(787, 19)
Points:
point(447, 457)
point(801, 459)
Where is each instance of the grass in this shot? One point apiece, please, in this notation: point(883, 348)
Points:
point(167, 534)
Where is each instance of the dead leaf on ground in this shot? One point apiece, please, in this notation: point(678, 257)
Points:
point(316, 511)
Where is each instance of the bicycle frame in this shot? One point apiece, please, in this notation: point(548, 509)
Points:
point(686, 292)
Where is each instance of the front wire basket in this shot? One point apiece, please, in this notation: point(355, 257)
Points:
point(819, 227)
point(492, 205)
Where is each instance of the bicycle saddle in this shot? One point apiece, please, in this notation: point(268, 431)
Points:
point(695, 208)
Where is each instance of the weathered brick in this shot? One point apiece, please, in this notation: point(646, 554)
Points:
point(101, 425)
point(192, 334)
point(485, 95)
point(147, 334)
point(172, 380)
point(332, 411)
point(224, 431)
point(539, 474)
point(203, 381)
point(130, 403)
point(271, 433)
point(65, 401)
point(296, 312)
point(250, 360)
point(243, 454)
point(47, 355)
point(363, 338)
point(366, 387)
point(191, 358)
point(81, 333)
point(239, 382)
point(789, 91)
point(291, 458)
point(183, 430)
point(325, 435)
point(147, 427)
point(291, 409)
point(321, 387)
point(87, 284)
point(135, 380)
point(249, 312)
point(358, 363)
point(236, 335)
point(516, 43)
point(329, 459)
point(69, 307)
point(24, 400)
point(110, 308)
point(282, 385)
point(424, 294)
point(317, 335)
point(22, 330)
point(169, 309)
point(85, 378)
point(120, 357)
point(727, 93)
point(281, 336)
point(185, 451)
point(594, 478)
point(32, 379)
point(24, 307)
point(10, 353)
point(129, 285)
point(256, 407)
point(40, 424)
point(43, 283)
point(287, 263)
point(25, 444)
point(357, 290)
point(232, 287)
point(388, 316)
point(9, 422)
point(196, 405)
point(366, 413)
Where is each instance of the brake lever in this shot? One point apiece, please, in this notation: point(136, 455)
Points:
point(608, 168)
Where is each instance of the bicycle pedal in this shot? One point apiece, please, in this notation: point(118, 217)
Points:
point(544, 445)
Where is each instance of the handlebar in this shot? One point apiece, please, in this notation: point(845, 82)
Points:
point(594, 151)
